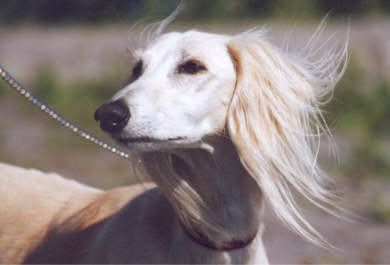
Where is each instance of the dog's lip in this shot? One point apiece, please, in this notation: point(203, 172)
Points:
point(133, 140)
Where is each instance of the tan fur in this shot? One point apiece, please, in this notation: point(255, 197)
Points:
point(34, 204)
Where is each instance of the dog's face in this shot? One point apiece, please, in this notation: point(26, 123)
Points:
point(179, 91)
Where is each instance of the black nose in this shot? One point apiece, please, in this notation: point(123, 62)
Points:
point(113, 116)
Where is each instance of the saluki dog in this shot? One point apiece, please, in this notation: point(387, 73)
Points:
point(221, 124)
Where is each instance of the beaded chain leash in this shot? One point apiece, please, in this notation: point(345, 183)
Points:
point(13, 83)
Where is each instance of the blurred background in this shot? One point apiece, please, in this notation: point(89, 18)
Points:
point(73, 54)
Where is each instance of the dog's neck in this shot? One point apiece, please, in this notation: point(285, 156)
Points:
point(226, 199)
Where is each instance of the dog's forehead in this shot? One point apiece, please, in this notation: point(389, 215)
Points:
point(190, 43)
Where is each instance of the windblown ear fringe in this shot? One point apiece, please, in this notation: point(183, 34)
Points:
point(151, 31)
point(275, 121)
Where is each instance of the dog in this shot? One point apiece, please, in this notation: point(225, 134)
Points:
point(221, 124)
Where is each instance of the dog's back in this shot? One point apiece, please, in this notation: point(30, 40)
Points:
point(33, 204)
point(30, 200)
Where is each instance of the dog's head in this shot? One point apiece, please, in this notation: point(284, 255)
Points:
point(179, 92)
point(187, 86)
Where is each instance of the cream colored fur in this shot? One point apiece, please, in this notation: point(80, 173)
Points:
point(219, 142)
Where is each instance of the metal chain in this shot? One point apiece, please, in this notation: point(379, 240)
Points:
point(13, 83)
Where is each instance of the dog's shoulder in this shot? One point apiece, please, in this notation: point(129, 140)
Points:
point(30, 199)
point(109, 203)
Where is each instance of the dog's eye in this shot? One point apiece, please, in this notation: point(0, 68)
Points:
point(137, 70)
point(191, 67)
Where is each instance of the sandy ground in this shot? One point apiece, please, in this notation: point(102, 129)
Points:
point(75, 52)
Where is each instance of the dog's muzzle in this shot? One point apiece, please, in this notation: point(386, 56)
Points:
point(113, 116)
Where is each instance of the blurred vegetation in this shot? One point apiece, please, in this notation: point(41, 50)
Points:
point(84, 96)
point(92, 11)
point(52, 148)
point(361, 115)
point(381, 212)
point(76, 100)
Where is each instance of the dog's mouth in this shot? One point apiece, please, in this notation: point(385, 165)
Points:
point(136, 140)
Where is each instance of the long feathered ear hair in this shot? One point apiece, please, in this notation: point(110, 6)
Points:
point(275, 121)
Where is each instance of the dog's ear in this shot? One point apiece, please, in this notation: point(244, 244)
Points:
point(274, 121)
